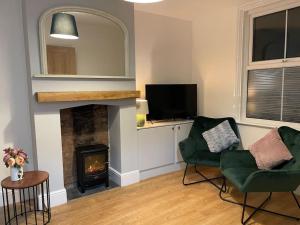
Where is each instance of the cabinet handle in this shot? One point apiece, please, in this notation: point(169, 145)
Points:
point(173, 128)
point(178, 127)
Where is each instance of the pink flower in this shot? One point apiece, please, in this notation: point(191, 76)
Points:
point(6, 157)
point(14, 156)
point(14, 152)
point(7, 150)
point(11, 162)
point(23, 154)
point(20, 161)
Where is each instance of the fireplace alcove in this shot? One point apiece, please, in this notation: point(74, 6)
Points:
point(85, 141)
point(122, 142)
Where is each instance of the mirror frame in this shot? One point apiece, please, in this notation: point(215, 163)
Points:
point(42, 36)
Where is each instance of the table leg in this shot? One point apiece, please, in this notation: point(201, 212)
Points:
point(4, 206)
point(43, 203)
point(15, 207)
point(24, 202)
point(34, 204)
point(8, 211)
point(48, 200)
point(29, 200)
point(37, 197)
point(20, 198)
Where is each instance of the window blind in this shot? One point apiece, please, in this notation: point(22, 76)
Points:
point(291, 95)
point(264, 94)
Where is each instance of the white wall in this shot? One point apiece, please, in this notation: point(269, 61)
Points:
point(163, 50)
point(215, 62)
point(14, 106)
point(214, 44)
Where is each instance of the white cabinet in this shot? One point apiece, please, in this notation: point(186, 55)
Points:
point(182, 132)
point(158, 147)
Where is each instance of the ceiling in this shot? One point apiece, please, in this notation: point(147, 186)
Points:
point(186, 9)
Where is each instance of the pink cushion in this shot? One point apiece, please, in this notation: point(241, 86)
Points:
point(270, 151)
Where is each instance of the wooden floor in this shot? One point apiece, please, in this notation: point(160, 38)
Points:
point(165, 201)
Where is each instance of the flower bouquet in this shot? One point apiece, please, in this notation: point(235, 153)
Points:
point(15, 158)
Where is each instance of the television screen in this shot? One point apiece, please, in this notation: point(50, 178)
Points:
point(171, 101)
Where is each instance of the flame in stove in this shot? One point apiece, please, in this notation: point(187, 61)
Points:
point(95, 167)
point(90, 169)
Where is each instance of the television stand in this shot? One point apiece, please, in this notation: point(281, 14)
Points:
point(158, 146)
point(159, 123)
point(169, 120)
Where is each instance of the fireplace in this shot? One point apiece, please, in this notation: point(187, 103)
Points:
point(84, 131)
point(92, 166)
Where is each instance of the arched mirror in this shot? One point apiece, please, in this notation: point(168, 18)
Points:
point(98, 45)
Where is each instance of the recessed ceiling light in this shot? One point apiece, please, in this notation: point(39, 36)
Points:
point(143, 1)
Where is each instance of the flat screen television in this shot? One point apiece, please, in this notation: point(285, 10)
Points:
point(171, 101)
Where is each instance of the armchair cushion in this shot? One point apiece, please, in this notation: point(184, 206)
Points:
point(238, 176)
point(220, 137)
point(270, 151)
point(237, 159)
point(191, 154)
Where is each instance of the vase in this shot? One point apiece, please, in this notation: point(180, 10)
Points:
point(16, 173)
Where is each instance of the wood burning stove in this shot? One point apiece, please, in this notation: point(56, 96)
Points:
point(92, 166)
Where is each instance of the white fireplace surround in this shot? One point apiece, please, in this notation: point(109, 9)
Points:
point(122, 142)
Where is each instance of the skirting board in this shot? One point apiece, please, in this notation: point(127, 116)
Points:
point(124, 179)
point(56, 197)
point(145, 174)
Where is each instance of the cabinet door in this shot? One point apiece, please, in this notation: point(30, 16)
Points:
point(156, 147)
point(182, 132)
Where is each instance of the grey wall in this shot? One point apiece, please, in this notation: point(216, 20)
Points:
point(46, 118)
point(19, 111)
point(14, 106)
point(33, 9)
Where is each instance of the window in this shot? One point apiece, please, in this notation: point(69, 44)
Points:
point(269, 37)
point(272, 72)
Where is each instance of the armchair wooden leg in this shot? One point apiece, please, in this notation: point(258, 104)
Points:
point(205, 179)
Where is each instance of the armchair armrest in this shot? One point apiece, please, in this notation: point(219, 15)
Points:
point(187, 148)
point(272, 181)
point(236, 159)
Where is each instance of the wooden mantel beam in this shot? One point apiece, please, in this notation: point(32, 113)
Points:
point(48, 97)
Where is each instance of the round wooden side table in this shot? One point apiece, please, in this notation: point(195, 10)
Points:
point(27, 201)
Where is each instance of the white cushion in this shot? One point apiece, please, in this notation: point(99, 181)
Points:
point(220, 137)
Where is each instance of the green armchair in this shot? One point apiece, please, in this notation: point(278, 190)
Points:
point(240, 168)
point(194, 149)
